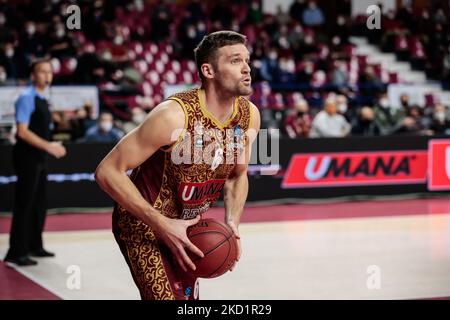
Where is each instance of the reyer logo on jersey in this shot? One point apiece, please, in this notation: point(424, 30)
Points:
point(198, 192)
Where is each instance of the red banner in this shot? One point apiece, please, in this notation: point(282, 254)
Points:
point(356, 168)
point(439, 170)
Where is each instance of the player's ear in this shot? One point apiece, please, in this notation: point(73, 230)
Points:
point(207, 70)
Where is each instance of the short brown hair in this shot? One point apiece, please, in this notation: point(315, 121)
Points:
point(207, 48)
point(37, 62)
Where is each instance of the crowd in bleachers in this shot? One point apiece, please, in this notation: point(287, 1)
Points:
point(420, 37)
point(308, 80)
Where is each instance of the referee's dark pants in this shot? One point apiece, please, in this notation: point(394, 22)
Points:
point(30, 205)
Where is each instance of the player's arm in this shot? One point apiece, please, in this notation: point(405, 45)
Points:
point(236, 186)
point(159, 129)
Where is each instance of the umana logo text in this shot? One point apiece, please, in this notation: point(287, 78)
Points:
point(197, 192)
point(333, 167)
point(356, 168)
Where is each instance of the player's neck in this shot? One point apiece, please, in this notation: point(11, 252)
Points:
point(218, 103)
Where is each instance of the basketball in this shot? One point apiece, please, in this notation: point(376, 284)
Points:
point(219, 245)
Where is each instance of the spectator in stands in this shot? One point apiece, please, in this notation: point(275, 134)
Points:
point(446, 65)
point(95, 22)
point(439, 122)
point(287, 69)
point(270, 68)
point(60, 45)
point(404, 101)
point(312, 15)
point(365, 124)
point(12, 62)
point(298, 123)
point(413, 123)
point(137, 117)
point(161, 21)
point(344, 109)
point(31, 43)
point(369, 78)
point(308, 48)
point(329, 123)
point(305, 72)
point(90, 68)
point(103, 131)
point(196, 10)
point(341, 29)
point(387, 116)
point(282, 17)
point(5, 33)
point(296, 10)
point(189, 37)
point(255, 14)
point(440, 17)
point(78, 124)
point(295, 36)
point(221, 14)
point(3, 76)
point(339, 76)
point(7, 135)
point(62, 130)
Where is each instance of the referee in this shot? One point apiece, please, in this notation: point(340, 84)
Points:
point(30, 154)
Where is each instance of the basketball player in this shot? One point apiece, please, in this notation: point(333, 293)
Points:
point(164, 196)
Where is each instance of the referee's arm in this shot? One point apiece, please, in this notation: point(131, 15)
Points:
point(24, 110)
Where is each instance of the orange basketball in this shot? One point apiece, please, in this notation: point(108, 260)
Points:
point(219, 245)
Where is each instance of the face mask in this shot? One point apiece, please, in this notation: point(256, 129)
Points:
point(308, 40)
point(118, 40)
point(342, 108)
point(191, 33)
point(138, 118)
point(9, 53)
point(31, 30)
point(440, 116)
point(336, 41)
point(384, 103)
point(107, 56)
point(201, 27)
point(106, 126)
point(60, 33)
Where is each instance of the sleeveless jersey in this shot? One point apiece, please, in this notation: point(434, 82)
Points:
point(186, 178)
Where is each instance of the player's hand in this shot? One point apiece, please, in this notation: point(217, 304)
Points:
point(173, 233)
point(56, 149)
point(235, 230)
